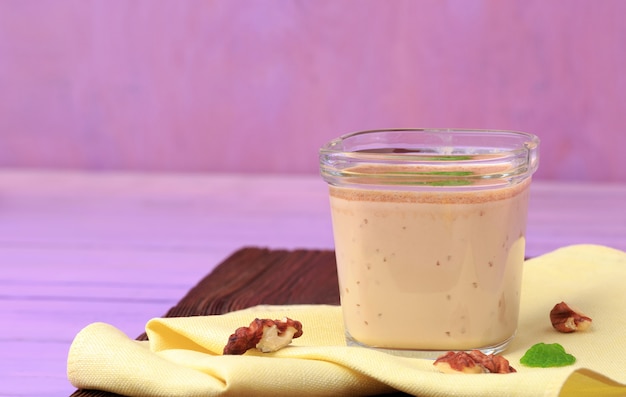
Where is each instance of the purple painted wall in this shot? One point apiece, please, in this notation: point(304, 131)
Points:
point(259, 85)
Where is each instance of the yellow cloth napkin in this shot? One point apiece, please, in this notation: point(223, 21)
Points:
point(183, 356)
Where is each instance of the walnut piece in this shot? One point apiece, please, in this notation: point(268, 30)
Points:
point(474, 362)
point(493, 363)
point(459, 362)
point(264, 334)
point(565, 319)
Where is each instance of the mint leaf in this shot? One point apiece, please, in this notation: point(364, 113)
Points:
point(547, 355)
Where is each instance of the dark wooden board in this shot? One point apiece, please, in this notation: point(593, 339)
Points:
point(252, 276)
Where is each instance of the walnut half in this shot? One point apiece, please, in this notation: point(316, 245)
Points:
point(264, 334)
point(473, 362)
point(565, 319)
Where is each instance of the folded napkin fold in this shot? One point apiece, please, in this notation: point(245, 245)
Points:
point(183, 355)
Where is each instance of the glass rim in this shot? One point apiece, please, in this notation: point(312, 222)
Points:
point(433, 156)
point(531, 138)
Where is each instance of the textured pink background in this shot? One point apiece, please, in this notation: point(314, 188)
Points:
point(259, 85)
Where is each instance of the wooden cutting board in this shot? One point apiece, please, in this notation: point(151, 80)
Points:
point(252, 276)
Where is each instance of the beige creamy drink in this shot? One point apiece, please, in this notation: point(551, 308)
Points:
point(430, 270)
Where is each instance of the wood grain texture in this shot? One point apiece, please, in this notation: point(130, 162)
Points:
point(257, 86)
point(253, 276)
point(122, 248)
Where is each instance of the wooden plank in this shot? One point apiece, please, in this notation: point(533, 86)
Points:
point(79, 247)
point(98, 85)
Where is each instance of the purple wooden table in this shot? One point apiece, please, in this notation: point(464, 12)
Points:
point(77, 247)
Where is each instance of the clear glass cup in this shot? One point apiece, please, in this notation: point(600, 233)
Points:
point(429, 228)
